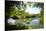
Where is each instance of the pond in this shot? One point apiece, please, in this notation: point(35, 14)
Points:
point(34, 23)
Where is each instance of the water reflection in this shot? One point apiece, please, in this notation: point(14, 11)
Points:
point(11, 21)
point(34, 23)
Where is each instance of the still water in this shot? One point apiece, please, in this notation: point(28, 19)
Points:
point(34, 23)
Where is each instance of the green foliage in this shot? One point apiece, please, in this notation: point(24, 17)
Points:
point(21, 14)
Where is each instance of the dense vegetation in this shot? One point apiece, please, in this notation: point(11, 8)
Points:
point(18, 10)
